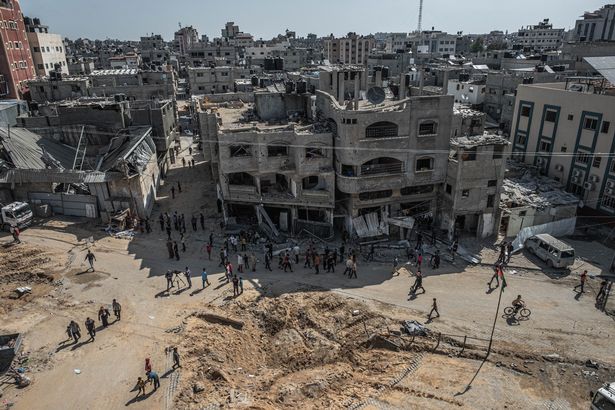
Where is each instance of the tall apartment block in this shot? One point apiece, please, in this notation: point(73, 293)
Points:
point(16, 64)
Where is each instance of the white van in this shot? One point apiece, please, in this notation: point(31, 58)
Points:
point(604, 399)
point(554, 252)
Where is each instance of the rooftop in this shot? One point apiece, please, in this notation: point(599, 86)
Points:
point(466, 112)
point(535, 191)
point(479, 140)
point(118, 71)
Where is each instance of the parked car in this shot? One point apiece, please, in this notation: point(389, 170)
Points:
point(604, 399)
point(555, 253)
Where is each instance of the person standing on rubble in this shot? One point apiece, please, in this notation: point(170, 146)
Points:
point(235, 286)
point(90, 258)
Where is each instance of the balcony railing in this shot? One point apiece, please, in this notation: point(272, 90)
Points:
point(380, 169)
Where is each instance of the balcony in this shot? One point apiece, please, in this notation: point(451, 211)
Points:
point(356, 185)
point(243, 193)
point(317, 196)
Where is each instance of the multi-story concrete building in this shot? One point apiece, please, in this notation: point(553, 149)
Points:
point(389, 158)
point(432, 44)
point(153, 42)
point(395, 62)
point(47, 48)
point(501, 89)
point(467, 92)
point(566, 130)
point(132, 83)
point(539, 37)
point(16, 64)
point(126, 61)
point(475, 172)
point(207, 54)
point(184, 39)
point(352, 49)
point(598, 25)
point(207, 80)
point(467, 121)
point(279, 176)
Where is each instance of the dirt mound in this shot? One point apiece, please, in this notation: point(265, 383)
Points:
point(301, 349)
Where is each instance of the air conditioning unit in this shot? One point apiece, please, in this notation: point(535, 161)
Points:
point(574, 180)
point(611, 184)
point(588, 186)
point(594, 178)
point(559, 167)
point(576, 173)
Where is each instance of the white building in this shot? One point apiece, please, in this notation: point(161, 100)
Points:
point(539, 37)
point(433, 44)
point(598, 25)
point(467, 92)
point(47, 48)
point(125, 61)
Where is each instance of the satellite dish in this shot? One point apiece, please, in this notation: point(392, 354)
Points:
point(376, 95)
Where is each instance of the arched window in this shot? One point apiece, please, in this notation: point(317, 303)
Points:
point(382, 129)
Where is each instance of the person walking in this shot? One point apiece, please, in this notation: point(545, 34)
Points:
point(370, 255)
point(602, 292)
point(176, 250)
point(509, 251)
point(395, 265)
point(90, 258)
point(211, 238)
point(418, 283)
point(169, 277)
point(179, 187)
point(348, 266)
point(240, 285)
point(316, 262)
point(204, 278)
point(287, 263)
point(502, 255)
point(268, 261)
point(103, 316)
point(140, 386)
point(188, 275)
point(161, 220)
point(117, 309)
point(353, 270)
point(172, 192)
point(183, 162)
point(253, 261)
point(202, 218)
point(75, 331)
point(168, 232)
point(419, 260)
point(175, 358)
point(239, 263)
point(193, 221)
point(434, 308)
point(170, 249)
point(153, 378)
point(582, 283)
point(15, 232)
point(183, 241)
point(208, 249)
point(496, 276)
point(454, 247)
point(90, 327)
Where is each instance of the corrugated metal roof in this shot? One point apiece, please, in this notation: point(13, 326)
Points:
point(24, 176)
point(31, 151)
point(604, 65)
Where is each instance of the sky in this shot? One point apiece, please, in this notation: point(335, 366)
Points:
point(131, 19)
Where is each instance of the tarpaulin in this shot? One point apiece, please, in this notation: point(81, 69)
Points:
point(558, 228)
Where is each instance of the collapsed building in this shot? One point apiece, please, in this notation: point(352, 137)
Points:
point(528, 200)
point(80, 170)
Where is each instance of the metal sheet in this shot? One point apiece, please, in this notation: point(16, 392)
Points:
point(604, 65)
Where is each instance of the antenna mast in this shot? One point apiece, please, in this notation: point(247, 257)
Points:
point(420, 27)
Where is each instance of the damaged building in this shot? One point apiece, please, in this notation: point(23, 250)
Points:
point(474, 177)
point(530, 200)
point(80, 170)
point(274, 167)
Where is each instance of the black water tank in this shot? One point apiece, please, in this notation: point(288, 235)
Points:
point(301, 87)
point(290, 87)
point(279, 63)
point(254, 81)
point(269, 64)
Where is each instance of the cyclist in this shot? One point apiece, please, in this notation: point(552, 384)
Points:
point(518, 304)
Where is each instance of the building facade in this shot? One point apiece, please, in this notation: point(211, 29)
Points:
point(352, 49)
point(598, 25)
point(47, 48)
point(16, 63)
point(566, 130)
point(541, 36)
point(207, 80)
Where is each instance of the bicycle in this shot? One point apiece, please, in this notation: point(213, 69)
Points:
point(511, 312)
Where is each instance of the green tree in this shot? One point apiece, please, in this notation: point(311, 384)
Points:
point(478, 45)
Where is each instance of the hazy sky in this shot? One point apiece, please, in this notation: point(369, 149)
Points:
point(130, 19)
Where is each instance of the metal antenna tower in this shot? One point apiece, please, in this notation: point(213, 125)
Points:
point(420, 27)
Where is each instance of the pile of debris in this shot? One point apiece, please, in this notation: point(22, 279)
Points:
point(315, 348)
point(536, 191)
